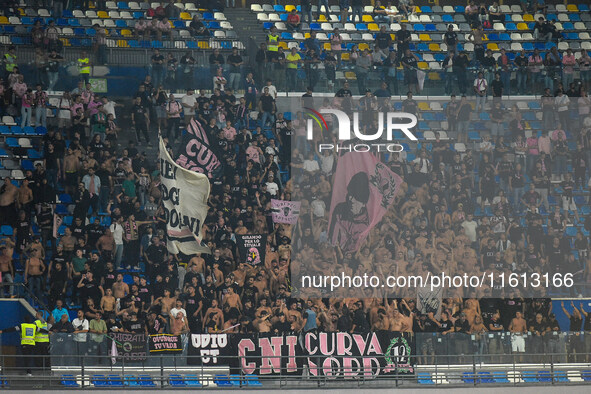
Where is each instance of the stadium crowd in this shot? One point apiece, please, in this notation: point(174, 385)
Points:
point(495, 207)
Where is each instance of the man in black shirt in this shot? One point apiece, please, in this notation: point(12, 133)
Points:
point(383, 39)
point(193, 306)
point(234, 60)
point(267, 107)
point(403, 38)
point(450, 38)
point(53, 63)
point(497, 86)
point(157, 68)
point(140, 120)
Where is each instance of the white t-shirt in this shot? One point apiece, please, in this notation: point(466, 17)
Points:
point(117, 231)
point(327, 163)
point(272, 90)
point(81, 336)
point(318, 208)
point(110, 108)
point(470, 229)
point(189, 100)
point(174, 311)
point(272, 188)
point(311, 165)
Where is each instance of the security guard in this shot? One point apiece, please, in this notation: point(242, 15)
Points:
point(42, 342)
point(10, 60)
point(84, 66)
point(27, 330)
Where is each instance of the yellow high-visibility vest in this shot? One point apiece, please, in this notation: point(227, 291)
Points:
point(272, 39)
point(41, 336)
point(28, 334)
point(10, 62)
point(83, 64)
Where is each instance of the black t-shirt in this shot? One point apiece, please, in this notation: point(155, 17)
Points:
point(53, 63)
point(192, 304)
point(462, 327)
point(109, 278)
point(136, 326)
point(445, 325)
point(497, 87)
point(155, 61)
point(139, 112)
point(450, 37)
point(267, 103)
point(234, 59)
point(383, 40)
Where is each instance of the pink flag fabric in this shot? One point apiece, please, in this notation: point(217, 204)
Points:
point(363, 189)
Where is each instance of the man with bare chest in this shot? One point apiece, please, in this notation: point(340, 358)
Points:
point(34, 269)
point(71, 167)
point(6, 269)
point(120, 288)
point(8, 196)
point(25, 197)
point(518, 327)
point(108, 303)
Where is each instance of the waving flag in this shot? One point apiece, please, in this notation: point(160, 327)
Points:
point(363, 190)
point(197, 153)
point(285, 211)
point(184, 196)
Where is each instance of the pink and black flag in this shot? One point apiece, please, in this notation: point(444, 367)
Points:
point(363, 189)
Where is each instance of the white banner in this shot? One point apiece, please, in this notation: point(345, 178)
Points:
point(184, 196)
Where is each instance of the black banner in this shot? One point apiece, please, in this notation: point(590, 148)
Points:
point(209, 349)
point(197, 153)
point(165, 344)
point(130, 346)
point(252, 248)
point(331, 354)
point(345, 355)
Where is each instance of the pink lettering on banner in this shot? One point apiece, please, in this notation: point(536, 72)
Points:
point(374, 345)
point(270, 354)
point(360, 342)
point(348, 366)
point(291, 342)
point(245, 345)
point(324, 344)
point(343, 348)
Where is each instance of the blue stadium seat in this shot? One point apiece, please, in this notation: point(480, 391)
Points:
point(316, 26)
point(27, 165)
point(568, 26)
point(572, 36)
point(146, 380)
point(6, 230)
point(25, 20)
point(470, 377)
point(176, 381)
point(138, 14)
point(583, 7)
point(552, 17)
point(574, 17)
point(459, 9)
point(426, 9)
point(73, 22)
point(79, 31)
point(131, 380)
point(214, 25)
point(504, 37)
point(528, 46)
point(253, 380)
point(12, 142)
point(123, 5)
point(418, 27)
point(360, 26)
point(485, 377)
point(179, 24)
point(69, 381)
point(278, 8)
point(208, 16)
point(122, 24)
point(423, 47)
point(561, 376)
point(283, 17)
point(430, 27)
point(222, 381)
point(529, 377)
point(62, 22)
point(544, 376)
point(115, 381)
point(511, 26)
point(268, 25)
point(193, 381)
point(286, 36)
point(157, 44)
point(67, 14)
point(493, 37)
point(424, 378)
point(499, 377)
point(447, 18)
point(99, 381)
